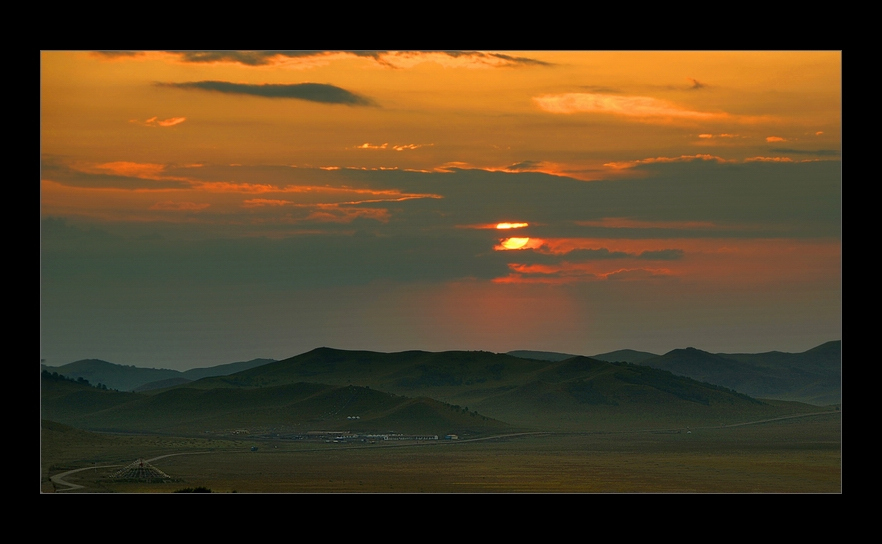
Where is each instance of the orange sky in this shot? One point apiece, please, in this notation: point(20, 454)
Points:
point(710, 178)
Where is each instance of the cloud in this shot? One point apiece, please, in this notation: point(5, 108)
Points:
point(651, 160)
point(388, 59)
point(641, 107)
point(407, 147)
point(768, 159)
point(155, 122)
point(313, 92)
point(180, 206)
point(662, 255)
point(775, 139)
point(635, 274)
point(571, 250)
point(525, 166)
point(398, 147)
point(818, 152)
point(128, 168)
point(626, 223)
point(455, 59)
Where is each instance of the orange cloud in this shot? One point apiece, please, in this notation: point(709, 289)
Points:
point(179, 206)
point(644, 107)
point(625, 223)
point(130, 169)
point(400, 147)
point(682, 158)
point(769, 159)
point(775, 139)
point(409, 146)
point(259, 202)
point(156, 122)
point(171, 121)
point(336, 214)
point(494, 226)
point(723, 261)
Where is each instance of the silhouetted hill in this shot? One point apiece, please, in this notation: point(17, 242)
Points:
point(812, 376)
point(625, 356)
point(622, 355)
point(426, 392)
point(224, 370)
point(130, 378)
point(290, 408)
point(540, 355)
point(577, 393)
point(123, 378)
point(161, 384)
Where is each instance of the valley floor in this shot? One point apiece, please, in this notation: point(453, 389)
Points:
point(789, 456)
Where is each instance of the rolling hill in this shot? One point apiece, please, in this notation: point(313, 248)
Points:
point(289, 408)
point(456, 392)
point(131, 378)
point(813, 376)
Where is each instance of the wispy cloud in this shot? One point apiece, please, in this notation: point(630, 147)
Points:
point(818, 152)
point(454, 59)
point(710, 136)
point(775, 139)
point(156, 122)
point(126, 168)
point(180, 206)
point(397, 147)
point(625, 223)
point(768, 159)
point(526, 166)
point(388, 59)
point(683, 158)
point(640, 107)
point(313, 92)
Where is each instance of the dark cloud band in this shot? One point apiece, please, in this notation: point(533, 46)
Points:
point(313, 92)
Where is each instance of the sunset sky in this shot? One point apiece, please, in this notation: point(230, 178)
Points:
point(205, 207)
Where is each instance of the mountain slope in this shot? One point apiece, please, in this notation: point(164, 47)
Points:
point(812, 376)
point(289, 408)
point(131, 378)
point(579, 393)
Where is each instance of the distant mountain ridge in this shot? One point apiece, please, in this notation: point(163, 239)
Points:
point(812, 376)
point(131, 378)
point(618, 356)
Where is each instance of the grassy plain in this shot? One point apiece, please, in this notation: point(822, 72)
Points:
point(801, 455)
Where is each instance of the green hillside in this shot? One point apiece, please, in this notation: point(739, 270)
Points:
point(456, 392)
point(579, 393)
point(289, 408)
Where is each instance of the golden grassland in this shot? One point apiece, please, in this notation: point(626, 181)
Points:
point(790, 456)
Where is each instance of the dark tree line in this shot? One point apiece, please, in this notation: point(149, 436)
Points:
point(55, 376)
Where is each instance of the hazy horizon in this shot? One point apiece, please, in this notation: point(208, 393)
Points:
point(204, 208)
